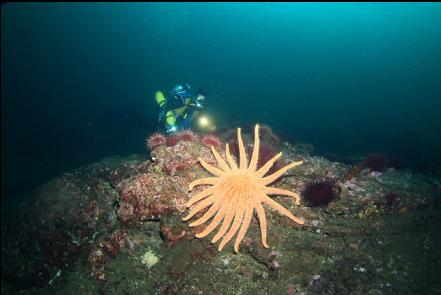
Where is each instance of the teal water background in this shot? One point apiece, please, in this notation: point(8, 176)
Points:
point(349, 78)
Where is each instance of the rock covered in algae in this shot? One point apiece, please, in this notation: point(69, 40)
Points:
point(358, 244)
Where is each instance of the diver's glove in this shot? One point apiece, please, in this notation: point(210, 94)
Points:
point(197, 105)
point(171, 128)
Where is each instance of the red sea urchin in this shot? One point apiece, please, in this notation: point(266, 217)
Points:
point(155, 140)
point(212, 140)
point(172, 140)
point(187, 135)
point(320, 193)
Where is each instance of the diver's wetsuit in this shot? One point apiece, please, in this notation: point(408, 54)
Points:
point(177, 110)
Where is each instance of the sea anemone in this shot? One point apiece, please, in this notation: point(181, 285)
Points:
point(320, 193)
point(187, 135)
point(212, 140)
point(155, 140)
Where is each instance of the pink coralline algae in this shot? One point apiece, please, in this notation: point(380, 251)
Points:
point(151, 196)
point(97, 260)
point(162, 190)
point(212, 140)
point(89, 214)
point(106, 248)
point(155, 140)
point(181, 158)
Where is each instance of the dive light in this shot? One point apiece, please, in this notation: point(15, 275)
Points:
point(205, 123)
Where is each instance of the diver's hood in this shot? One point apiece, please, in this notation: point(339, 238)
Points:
point(179, 89)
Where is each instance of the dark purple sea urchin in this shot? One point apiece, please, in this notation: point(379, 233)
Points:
point(320, 193)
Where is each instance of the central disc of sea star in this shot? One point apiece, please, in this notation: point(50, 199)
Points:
point(236, 191)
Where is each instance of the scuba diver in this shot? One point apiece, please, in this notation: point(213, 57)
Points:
point(179, 107)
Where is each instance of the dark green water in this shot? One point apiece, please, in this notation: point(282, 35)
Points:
point(348, 78)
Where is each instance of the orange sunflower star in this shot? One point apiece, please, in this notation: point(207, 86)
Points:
point(236, 192)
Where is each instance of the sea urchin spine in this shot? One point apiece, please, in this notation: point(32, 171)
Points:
point(187, 135)
point(212, 140)
point(155, 140)
point(320, 193)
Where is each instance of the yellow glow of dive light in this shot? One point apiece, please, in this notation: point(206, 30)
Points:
point(204, 122)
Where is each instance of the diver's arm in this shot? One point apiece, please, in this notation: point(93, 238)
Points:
point(196, 105)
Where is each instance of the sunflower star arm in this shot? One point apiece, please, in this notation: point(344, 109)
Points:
point(220, 161)
point(211, 169)
point(234, 227)
point(203, 194)
point(255, 155)
point(228, 218)
point(262, 223)
point(271, 178)
point(202, 181)
point(270, 202)
point(230, 159)
point(214, 223)
point(279, 191)
point(210, 212)
point(242, 154)
point(243, 229)
point(199, 207)
point(265, 168)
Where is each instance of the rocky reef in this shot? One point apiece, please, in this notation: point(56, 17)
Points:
point(115, 227)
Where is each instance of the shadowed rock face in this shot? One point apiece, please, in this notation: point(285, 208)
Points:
point(88, 230)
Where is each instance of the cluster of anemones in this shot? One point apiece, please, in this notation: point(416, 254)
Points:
point(157, 139)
